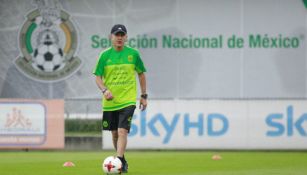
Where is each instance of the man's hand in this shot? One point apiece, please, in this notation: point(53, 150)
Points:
point(108, 95)
point(143, 104)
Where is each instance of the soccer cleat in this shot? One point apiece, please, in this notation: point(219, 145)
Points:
point(125, 167)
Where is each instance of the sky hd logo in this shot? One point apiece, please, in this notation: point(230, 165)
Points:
point(159, 125)
point(48, 42)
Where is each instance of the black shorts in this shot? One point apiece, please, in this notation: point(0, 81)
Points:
point(112, 120)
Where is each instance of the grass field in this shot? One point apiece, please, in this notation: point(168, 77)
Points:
point(156, 163)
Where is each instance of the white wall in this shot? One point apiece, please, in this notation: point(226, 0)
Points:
point(265, 71)
point(215, 124)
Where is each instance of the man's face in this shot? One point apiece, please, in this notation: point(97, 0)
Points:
point(118, 39)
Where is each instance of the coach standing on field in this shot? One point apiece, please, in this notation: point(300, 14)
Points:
point(115, 77)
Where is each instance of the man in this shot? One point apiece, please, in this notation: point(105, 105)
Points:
point(115, 77)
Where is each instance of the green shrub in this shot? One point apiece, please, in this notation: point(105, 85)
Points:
point(82, 125)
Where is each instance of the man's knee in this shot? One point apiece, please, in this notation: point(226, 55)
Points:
point(122, 132)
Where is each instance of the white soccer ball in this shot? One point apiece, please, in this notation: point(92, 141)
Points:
point(48, 57)
point(112, 165)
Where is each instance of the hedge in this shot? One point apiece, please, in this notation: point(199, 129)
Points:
point(82, 125)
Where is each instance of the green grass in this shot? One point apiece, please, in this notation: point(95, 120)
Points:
point(156, 163)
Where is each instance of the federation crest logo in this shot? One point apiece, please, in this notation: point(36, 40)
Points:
point(48, 41)
point(130, 58)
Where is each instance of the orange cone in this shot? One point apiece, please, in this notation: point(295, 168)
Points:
point(216, 157)
point(68, 164)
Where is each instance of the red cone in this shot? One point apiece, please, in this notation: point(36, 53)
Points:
point(68, 164)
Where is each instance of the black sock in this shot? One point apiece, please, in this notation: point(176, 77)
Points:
point(124, 157)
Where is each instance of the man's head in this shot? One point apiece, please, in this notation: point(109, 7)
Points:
point(118, 35)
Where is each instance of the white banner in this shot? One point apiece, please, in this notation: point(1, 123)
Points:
point(23, 118)
point(191, 49)
point(214, 124)
point(31, 124)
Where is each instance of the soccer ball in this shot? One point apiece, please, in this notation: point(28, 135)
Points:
point(48, 57)
point(112, 165)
